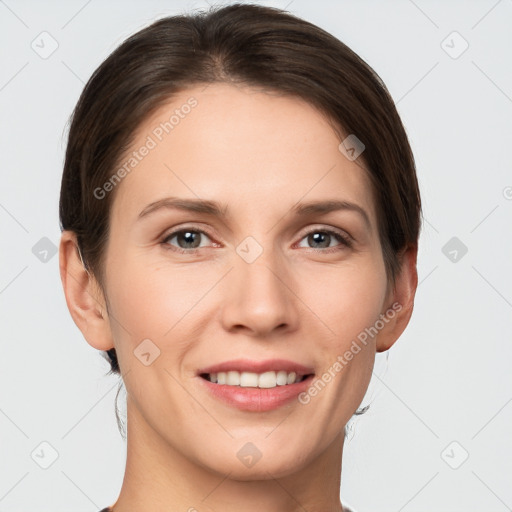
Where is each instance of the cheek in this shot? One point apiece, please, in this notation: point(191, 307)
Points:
point(348, 302)
point(165, 302)
point(345, 299)
point(148, 301)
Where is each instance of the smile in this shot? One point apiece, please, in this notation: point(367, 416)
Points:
point(270, 379)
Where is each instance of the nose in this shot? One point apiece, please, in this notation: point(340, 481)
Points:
point(260, 298)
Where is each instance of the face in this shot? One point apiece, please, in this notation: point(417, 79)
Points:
point(252, 278)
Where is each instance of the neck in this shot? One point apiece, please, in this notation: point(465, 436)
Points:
point(159, 477)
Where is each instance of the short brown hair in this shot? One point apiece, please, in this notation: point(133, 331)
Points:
point(248, 45)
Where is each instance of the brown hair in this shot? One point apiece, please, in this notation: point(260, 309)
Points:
point(248, 45)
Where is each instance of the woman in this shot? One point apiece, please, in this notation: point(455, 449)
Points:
point(240, 216)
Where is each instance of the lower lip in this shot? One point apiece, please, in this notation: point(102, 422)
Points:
point(257, 399)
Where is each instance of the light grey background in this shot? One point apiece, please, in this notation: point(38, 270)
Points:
point(449, 377)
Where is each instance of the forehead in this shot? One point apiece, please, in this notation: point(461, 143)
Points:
point(242, 146)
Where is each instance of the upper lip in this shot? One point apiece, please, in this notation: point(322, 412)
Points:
point(247, 365)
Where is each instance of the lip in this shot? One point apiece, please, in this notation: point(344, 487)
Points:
point(246, 365)
point(256, 399)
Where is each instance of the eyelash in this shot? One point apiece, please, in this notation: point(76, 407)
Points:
point(345, 240)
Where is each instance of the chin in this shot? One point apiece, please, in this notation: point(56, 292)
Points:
point(247, 462)
point(261, 470)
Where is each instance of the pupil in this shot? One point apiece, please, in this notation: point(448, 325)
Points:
point(317, 238)
point(187, 235)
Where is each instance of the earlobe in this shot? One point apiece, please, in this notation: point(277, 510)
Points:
point(400, 301)
point(84, 296)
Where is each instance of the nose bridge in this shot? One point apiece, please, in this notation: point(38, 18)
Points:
point(259, 296)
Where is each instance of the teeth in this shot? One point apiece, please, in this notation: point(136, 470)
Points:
point(255, 380)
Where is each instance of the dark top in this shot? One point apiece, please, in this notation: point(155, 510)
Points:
point(345, 509)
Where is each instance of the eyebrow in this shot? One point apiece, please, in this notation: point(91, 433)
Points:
point(215, 209)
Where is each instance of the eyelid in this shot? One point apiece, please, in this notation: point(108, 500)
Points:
point(346, 238)
point(329, 229)
point(172, 232)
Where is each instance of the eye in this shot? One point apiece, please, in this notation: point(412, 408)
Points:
point(188, 239)
point(323, 238)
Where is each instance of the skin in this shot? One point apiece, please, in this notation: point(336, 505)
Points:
point(295, 301)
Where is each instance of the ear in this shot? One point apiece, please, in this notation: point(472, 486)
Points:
point(84, 297)
point(400, 300)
